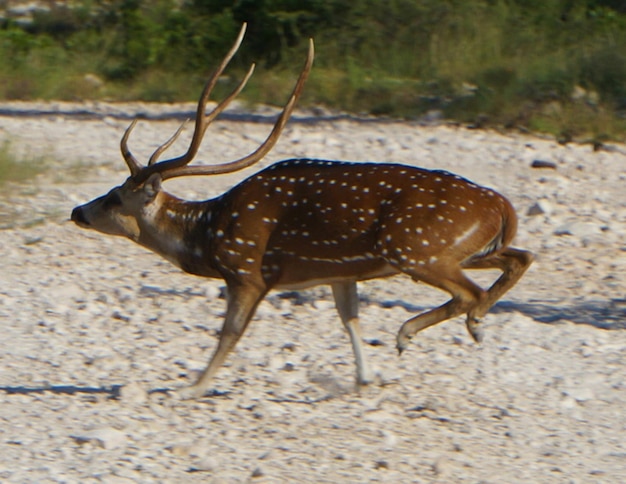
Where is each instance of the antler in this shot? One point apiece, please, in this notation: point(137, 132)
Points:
point(266, 146)
point(178, 166)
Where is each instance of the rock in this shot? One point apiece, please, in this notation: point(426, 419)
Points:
point(93, 80)
point(205, 464)
point(581, 394)
point(134, 394)
point(106, 437)
point(541, 207)
point(543, 164)
point(578, 229)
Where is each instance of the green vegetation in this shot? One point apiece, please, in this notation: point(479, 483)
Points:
point(14, 169)
point(556, 66)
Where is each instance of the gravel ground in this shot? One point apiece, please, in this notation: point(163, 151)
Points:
point(92, 323)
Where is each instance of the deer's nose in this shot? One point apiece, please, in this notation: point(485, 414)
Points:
point(78, 216)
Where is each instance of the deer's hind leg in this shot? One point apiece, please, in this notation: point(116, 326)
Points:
point(466, 296)
point(347, 303)
point(513, 263)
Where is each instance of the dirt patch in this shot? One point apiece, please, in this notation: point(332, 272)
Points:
point(91, 323)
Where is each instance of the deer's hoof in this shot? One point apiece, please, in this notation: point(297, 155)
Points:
point(192, 392)
point(474, 329)
point(402, 342)
point(367, 377)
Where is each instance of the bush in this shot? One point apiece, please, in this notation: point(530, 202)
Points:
point(503, 61)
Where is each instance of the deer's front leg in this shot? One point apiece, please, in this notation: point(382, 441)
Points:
point(242, 303)
point(347, 302)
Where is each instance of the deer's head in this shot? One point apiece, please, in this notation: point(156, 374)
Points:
point(135, 204)
point(118, 212)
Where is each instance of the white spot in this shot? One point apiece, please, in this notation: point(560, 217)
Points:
point(467, 234)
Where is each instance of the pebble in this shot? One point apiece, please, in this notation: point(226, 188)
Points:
point(133, 393)
point(106, 437)
point(541, 207)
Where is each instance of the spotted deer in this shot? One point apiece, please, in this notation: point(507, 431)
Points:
point(304, 222)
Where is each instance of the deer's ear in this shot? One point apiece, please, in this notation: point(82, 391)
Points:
point(152, 185)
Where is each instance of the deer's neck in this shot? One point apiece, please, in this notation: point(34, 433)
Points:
point(177, 230)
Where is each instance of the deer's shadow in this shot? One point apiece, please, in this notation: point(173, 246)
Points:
point(609, 314)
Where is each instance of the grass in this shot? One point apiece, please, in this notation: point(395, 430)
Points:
point(18, 169)
point(17, 175)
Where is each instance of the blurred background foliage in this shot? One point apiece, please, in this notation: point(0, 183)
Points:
point(555, 66)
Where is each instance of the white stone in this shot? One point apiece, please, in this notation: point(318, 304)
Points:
point(105, 437)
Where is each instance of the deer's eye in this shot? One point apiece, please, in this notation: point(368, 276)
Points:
point(112, 201)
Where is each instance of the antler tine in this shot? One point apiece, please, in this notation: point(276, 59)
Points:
point(202, 120)
point(267, 145)
point(133, 165)
point(159, 151)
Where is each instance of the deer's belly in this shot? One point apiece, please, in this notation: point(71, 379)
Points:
point(314, 273)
